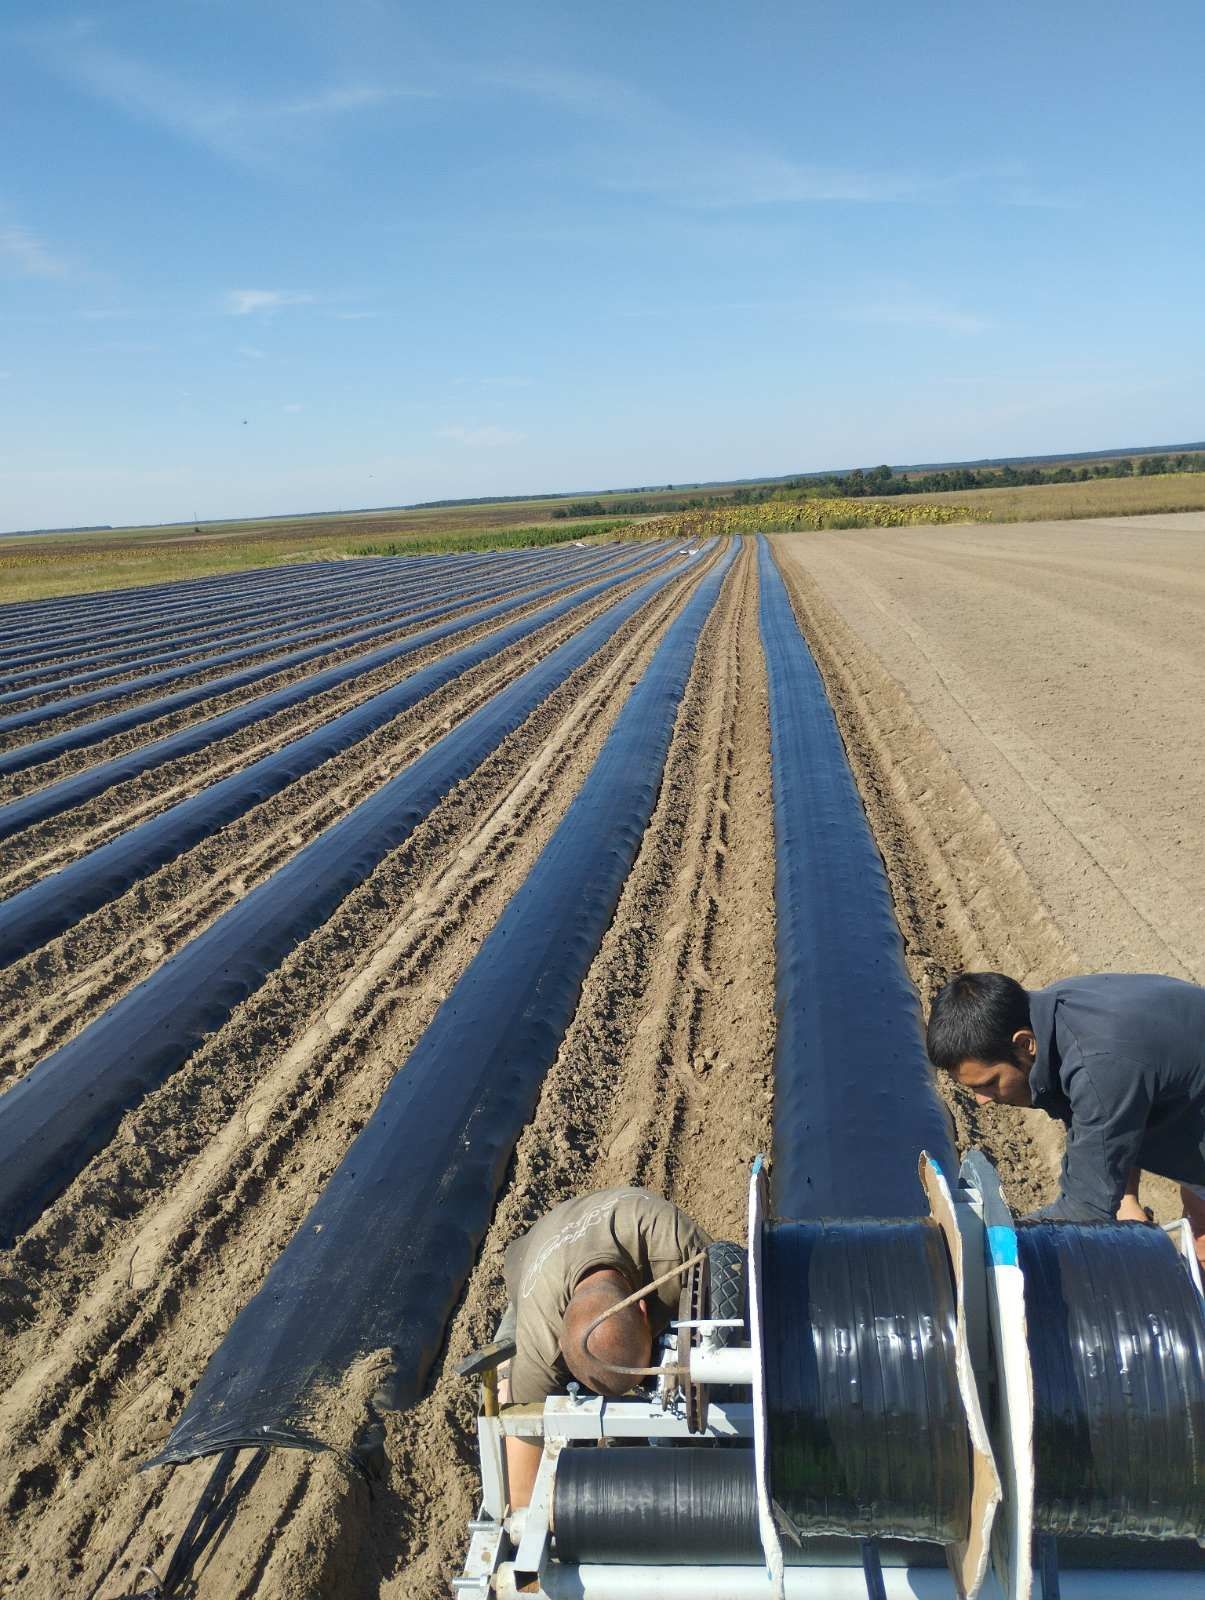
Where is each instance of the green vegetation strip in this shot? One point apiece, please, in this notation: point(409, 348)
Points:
point(491, 539)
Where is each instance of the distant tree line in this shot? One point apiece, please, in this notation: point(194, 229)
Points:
point(877, 482)
point(83, 527)
point(638, 506)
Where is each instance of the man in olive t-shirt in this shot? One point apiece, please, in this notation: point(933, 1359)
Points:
point(585, 1256)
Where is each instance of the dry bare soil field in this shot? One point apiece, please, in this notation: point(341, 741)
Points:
point(1018, 708)
point(1025, 703)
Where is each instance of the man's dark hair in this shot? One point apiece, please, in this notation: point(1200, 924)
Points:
point(975, 1016)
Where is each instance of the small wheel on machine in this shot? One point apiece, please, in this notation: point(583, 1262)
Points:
point(727, 1297)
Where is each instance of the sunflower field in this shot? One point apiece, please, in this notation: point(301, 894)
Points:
point(785, 516)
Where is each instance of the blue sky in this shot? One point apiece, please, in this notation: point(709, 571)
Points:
point(269, 255)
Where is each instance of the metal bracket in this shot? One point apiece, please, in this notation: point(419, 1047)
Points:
point(532, 1555)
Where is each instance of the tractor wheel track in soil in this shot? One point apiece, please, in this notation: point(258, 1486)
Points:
point(149, 1288)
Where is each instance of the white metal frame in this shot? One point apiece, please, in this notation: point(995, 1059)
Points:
point(512, 1554)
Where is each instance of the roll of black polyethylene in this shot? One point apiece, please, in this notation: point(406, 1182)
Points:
point(656, 1507)
point(1117, 1345)
point(867, 1432)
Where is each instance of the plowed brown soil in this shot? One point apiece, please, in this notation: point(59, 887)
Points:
point(121, 1292)
point(57, 989)
point(115, 1300)
point(118, 744)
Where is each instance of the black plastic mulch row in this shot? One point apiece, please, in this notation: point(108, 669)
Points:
point(195, 632)
point(85, 734)
point(80, 786)
point(67, 1107)
point(347, 616)
point(187, 612)
point(50, 906)
point(180, 594)
point(854, 1097)
point(381, 1259)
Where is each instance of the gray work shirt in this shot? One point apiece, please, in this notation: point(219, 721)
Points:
point(1121, 1061)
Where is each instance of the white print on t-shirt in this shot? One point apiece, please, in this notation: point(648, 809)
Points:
point(569, 1234)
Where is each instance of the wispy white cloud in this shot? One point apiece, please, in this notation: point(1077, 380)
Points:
point(355, 316)
point(327, 102)
point(695, 172)
point(699, 164)
point(124, 347)
point(500, 382)
point(293, 405)
point(21, 251)
point(490, 437)
point(252, 302)
point(652, 151)
point(4, 375)
point(252, 352)
point(892, 308)
point(247, 128)
point(905, 313)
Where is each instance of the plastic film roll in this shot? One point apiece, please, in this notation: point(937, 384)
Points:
point(656, 1507)
point(867, 1430)
point(1117, 1347)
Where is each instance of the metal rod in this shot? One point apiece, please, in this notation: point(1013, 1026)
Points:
point(872, 1571)
point(730, 1364)
point(622, 1305)
point(1048, 1565)
point(596, 1582)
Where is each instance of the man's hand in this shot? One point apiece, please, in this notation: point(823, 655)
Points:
point(1131, 1208)
point(1193, 1202)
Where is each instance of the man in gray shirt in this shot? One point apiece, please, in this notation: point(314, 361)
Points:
point(1117, 1057)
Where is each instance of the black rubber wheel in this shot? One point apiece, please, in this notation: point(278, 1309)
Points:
point(727, 1298)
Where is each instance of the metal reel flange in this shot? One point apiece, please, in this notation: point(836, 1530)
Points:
point(692, 1307)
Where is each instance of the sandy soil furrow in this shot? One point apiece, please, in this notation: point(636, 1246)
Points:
point(376, 613)
point(52, 993)
point(76, 760)
point(1013, 705)
point(153, 1299)
point(623, 1102)
point(1067, 707)
point(50, 844)
point(197, 637)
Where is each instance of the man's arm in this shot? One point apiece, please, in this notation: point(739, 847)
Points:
point(529, 1380)
point(1109, 1109)
point(522, 1464)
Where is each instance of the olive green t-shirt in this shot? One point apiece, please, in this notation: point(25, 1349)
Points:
point(637, 1233)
